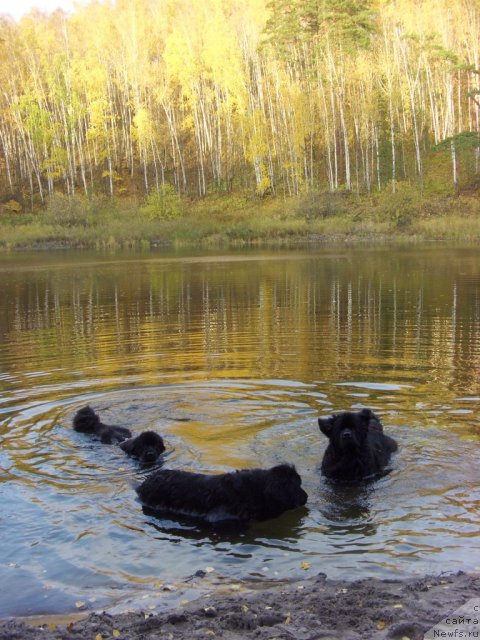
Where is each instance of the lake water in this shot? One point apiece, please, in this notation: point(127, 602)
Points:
point(232, 358)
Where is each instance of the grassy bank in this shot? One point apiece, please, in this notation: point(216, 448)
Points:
point(236, 219)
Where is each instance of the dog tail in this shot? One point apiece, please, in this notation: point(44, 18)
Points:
point(86, 420)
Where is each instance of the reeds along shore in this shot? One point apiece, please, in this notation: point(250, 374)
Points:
point(102, 223)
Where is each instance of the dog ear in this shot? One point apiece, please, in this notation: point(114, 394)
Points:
point(367, 416)
point(326, 425)
point(373, 422)
point(159, 444)
point(127, 445)
point(282, 490)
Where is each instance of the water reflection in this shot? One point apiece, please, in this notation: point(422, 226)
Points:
point(232, 359)
point(402, 312)
point(233, 532)
point(348, 508)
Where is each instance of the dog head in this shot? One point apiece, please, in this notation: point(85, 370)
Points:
point(86, 420)
point(283, 489)
point(347, 431)
point(146, 447)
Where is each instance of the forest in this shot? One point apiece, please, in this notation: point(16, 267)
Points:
point(149, 98)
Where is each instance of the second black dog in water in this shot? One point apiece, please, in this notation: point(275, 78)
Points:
point(357, 446)
point(146, 447)
point(87, 421)
point(245, 495)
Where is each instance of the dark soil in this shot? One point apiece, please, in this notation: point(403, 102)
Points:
point(316, 608)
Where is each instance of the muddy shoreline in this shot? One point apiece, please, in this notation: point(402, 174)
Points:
point(305, 610)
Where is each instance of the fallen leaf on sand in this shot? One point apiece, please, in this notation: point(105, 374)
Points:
point(305, 565)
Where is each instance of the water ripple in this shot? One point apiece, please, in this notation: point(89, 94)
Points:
point(233, 363)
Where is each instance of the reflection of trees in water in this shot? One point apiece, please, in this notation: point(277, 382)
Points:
point(352, 315)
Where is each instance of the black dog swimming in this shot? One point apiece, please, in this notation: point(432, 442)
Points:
point(246, 495)
point(146, 447)
point(357, 448)
point(87, 421)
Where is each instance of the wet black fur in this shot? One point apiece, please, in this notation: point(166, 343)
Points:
point(146, 447)
point(357, 446)
point(245, 495)
point(87, 421)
